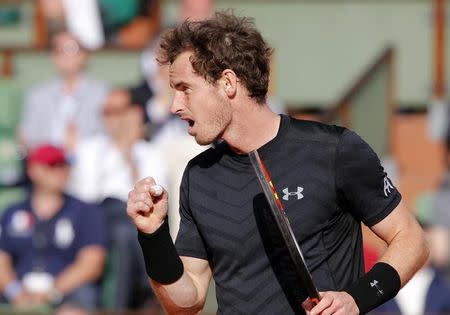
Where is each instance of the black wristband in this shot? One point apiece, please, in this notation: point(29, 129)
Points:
point(162, 262)
point(377, 286)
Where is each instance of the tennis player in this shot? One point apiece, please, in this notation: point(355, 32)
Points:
point(328, 178)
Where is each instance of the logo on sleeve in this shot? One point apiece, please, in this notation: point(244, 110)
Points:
point(388, 187)
point(297, 193)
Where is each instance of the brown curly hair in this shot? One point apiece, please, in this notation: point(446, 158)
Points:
point(222, 42)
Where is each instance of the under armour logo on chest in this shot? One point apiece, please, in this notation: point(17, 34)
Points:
point(297, 193)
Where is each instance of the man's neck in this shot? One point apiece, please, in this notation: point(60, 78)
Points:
point(251, 128)
point(125, 140)
point(46, 203)
point(71, 82)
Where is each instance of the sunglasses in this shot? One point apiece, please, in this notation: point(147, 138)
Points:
point(69, 48)
point(113, 111)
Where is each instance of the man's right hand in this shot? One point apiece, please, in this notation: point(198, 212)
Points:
point(146, 207)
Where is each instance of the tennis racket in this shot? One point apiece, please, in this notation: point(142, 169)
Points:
point(284, 226)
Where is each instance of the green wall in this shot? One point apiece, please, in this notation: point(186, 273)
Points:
point(321, 46)
point(115, 68)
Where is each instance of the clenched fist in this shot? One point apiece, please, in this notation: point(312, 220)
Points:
point(147, 205)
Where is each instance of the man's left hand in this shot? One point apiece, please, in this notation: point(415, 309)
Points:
point(39, 298)
point(332, 303)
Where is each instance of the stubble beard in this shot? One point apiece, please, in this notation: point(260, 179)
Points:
point(216, 126)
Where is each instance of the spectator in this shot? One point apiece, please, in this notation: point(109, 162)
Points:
point(52, 246)
point(67, 108)
point(155, 96)
point(53, 11)
point(105, 167)
point(440, 216)
point(128, 24)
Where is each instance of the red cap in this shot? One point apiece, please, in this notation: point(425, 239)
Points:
point(47, 155)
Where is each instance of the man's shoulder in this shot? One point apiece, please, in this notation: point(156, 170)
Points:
point(13, 208)
point(315, 131)
point(208, 157)
point(44, 89)
point(95, 84)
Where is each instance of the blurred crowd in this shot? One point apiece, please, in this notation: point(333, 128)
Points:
point(86, 144)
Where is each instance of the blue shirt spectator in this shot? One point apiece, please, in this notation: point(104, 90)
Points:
point(50, 245)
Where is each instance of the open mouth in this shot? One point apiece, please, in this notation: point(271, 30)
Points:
point(191, 122)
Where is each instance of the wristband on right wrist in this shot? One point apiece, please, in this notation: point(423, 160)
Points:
point(12, 290)
point(162, 262)
point(377, 286)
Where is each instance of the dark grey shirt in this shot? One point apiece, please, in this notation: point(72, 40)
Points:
point(328, 179)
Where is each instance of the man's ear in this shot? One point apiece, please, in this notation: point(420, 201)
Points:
point(229, 82)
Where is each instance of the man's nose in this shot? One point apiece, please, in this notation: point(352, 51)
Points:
point(177, 103)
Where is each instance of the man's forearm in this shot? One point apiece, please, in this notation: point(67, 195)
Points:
point(407, 252)
point(187, 295)
point(407, 248)
point(180, 297)
point(82, 271)
point(7, 274)
point(10, 286)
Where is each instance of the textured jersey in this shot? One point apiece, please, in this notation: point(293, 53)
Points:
point(328, 179)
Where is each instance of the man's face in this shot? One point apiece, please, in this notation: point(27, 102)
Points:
point(49, 177)
point(115, 112)
point(201, 104)
point(68, 56)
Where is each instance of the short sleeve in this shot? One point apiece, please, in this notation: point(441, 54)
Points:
point(189, 241)
point(363, 186)
point(92, 228)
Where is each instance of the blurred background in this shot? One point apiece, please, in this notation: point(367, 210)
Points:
point(378, 67)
